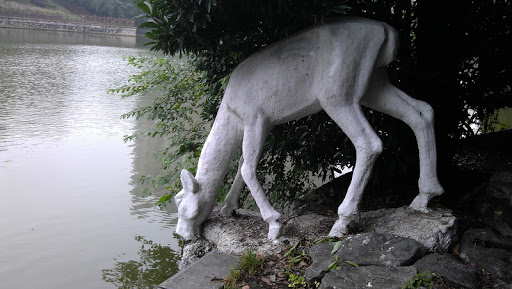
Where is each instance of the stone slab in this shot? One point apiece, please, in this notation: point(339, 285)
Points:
point(368, 277)
point(435, 229)
point(449, 267)
point(366, 249)
point(206, 273)
point(488, 251)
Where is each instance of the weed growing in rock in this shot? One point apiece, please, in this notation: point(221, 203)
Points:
point(421, 280)
point(231, 281)
point(251, 262)
point(337, 264)
point(297, 281)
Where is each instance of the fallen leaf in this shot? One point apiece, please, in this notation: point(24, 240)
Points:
point(246, 287)
point(266, 280)
point(336, 247)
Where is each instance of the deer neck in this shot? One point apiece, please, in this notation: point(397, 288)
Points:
point(220, 148)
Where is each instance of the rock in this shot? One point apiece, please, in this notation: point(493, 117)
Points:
point(322, 257)
point(435, 230)
point(380, 249)
point(449, 267)
point(308, 226)
point(206, 273)
point(368, 277)
point(490, 252)
point(247, 231)
point(193, 251)
point(495, 205)
point(244, 231)
point(500, 186)
point(365, 250)
point(502, 228)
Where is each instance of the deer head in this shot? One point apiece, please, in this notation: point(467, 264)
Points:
point(188, 202)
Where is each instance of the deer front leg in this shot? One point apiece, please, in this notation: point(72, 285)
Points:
point(232, 202)
point(252, 146)
point(368, 146)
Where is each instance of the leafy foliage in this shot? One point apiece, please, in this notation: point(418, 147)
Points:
point(453, 55)
point(297, 281)
point(176, 111)
point(105, 8)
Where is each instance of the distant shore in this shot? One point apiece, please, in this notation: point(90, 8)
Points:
point(28, 23)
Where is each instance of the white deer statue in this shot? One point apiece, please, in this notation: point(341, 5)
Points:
point(337, 67)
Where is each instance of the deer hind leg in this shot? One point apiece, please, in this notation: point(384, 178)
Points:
point(233, 198)
point(418, 115)
point(255, 134)
point(368, 146)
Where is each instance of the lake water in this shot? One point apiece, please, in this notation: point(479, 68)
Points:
point(71, 211)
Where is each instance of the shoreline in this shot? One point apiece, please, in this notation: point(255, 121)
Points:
point(41, 24)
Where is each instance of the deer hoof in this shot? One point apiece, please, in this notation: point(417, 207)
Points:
point(228, 211)
point(420, 203)
point(340, 228)
point(274, 230)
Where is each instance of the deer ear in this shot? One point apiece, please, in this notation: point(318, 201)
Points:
point(189, 182)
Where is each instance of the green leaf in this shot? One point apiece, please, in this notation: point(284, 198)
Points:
point(332, 266)
point(292, 249)
point(150, 35)
point(149, 24)
point(165, 198)
point(351, 263)
point(336, 247)
point(144, 7)
point(141, 16)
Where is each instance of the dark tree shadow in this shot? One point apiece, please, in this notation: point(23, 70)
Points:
point(156, 264)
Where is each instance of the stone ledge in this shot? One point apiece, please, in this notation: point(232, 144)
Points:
point(206, 273)
point(368, 277)
point(367, 249)
point(435, 229)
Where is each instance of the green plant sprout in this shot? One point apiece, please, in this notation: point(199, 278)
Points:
point(423, 279)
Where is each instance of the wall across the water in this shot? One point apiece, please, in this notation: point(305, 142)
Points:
point(25, 23)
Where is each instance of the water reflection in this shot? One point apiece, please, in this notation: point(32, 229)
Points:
point(155, 264)
point(147, 162)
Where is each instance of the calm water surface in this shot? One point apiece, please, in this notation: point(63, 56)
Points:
point(71, 212)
